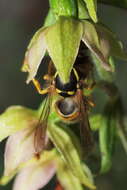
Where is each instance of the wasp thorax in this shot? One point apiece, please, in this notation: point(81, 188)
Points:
point(67, 108)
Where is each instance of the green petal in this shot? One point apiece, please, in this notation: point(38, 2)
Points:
point(35, 53)
point(109, 40)
point(14, 119)
point(92, 9)
point(67, 144)
point(92, 41)
point(63, 40)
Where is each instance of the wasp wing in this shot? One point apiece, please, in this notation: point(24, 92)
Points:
point(40, 132)
point(85, 131)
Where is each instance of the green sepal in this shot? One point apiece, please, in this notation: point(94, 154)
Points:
point(67, 8)
point(35, 52)
point(16, 118)
point(66, 177)
point(67, 144)
point(92, 40)
point(63, 40)
point(92, 9)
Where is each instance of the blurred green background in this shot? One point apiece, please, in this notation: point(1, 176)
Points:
point(19, 19)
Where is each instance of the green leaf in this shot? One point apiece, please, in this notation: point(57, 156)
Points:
point(121, 125)
point(117, 3)
point(107, 134)
point(123, 137)
point(92, 9)
point(67, 144)
point(14, 119)
point(109, 41)
point(63, 40)
point(64, 7)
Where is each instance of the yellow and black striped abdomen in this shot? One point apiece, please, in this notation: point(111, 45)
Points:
point(67, 89)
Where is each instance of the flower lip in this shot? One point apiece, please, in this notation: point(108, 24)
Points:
point(67, 108)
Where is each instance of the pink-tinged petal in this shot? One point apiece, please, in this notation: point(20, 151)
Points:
point(34, 177)
point(35, 53)
point(19, 148)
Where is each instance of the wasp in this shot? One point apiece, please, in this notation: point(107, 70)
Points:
point(72, 105)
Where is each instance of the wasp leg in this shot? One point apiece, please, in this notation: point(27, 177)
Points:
point(38, 87)
point(91, 103)
point(89, 86)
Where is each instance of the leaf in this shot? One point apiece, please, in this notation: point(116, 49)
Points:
point(92, 9)
point(34, 54)
point(16, 118)
point(63, 40)
point(107, 134)
point(117, 3)
point(66, 143)
point(121, 125)
point(92, 41)
point(123, 137)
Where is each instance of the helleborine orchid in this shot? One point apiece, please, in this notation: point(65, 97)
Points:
point(62, 39)
point(35, 171)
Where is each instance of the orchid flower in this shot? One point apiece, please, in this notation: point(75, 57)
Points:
point(62, 40)
point(35, 171)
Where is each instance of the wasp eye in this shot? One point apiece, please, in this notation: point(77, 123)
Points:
point(67, 108)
